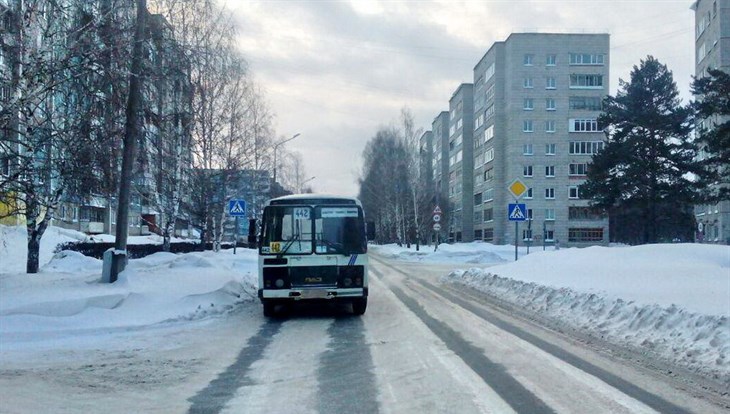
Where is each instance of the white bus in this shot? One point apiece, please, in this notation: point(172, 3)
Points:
point(313, 247)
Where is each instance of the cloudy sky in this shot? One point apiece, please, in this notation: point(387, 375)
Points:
point(334, 71)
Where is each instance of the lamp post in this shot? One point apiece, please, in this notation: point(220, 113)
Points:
point(276, 146)
point(301, 185)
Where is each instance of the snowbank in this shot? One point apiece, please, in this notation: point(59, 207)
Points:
point(67, 297)
point(475, 252)
point(14, 246)
point(672, 300)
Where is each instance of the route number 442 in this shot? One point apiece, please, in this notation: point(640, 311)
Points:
point(301, 213)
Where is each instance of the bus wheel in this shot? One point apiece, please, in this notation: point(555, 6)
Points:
point(359, 305)
point(269, 309)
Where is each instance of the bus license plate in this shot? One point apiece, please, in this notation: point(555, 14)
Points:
point(314, 294)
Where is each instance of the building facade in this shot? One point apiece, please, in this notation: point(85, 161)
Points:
point(531, 114)
point(461, 164)
point(712, 51)
point(538, 97)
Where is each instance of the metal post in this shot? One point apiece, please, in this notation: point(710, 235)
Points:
point(517, 223)
point(235, 237)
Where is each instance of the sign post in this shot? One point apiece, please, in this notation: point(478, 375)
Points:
point(437, 225)
point(236, 209)
point(517, 212)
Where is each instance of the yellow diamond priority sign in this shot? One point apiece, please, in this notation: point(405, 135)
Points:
point(517, 188)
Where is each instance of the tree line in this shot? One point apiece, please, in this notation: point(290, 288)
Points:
point(63, 101)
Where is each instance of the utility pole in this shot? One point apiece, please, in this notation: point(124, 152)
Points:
point(132, 130)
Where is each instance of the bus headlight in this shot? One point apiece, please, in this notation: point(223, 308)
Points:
point(279, 283)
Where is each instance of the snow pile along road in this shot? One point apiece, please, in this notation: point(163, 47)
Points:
point(669, 300)
point(66, 298)
point(476, 253)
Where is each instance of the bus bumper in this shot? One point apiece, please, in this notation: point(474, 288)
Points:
point(312, 293)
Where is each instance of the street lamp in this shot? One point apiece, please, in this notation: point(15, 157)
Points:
point(301, 185)
point(276, 146)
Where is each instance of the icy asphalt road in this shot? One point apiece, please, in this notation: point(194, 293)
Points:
point(421, 347)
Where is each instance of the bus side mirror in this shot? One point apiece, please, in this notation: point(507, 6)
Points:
point(370, 226)
point(252, 239)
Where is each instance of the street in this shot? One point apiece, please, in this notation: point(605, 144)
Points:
point(420, 347)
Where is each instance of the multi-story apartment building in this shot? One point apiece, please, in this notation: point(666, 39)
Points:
point(440, 159)
point(712, 47)
point(536, 101)
point(461, 164)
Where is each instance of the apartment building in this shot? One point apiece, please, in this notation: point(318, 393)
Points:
point(712, 51)
point(537, 97)
point(440, 162)
point(461, 164)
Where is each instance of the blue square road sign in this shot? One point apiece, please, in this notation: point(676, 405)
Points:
point(237, 208)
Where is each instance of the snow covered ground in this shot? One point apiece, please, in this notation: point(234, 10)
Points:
point(670, 299)
point(66, 297)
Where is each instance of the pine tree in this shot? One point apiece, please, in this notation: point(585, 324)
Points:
point(649, 158)
point(713, 107)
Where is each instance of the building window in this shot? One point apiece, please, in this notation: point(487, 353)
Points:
point(550, 104)
point(573, 192)
point(528, 104)
point(488, 235)
point(550, 193)
point(489, 133)
point(527, 125)
point(489, 94)
point(549, 149)
point(477, 199)
point(488, 195)
point(489, 73)
point(585, 234)
point(527, 149)
point(477, 233)
point(527, 170)
point(477, 218)
point(549, 235)
point(550, 214)
point(489, 174)
point(529, 214)
point(582, 81)
point(586, 59)
point(488, 155)
point(527, 234)
point(452, 130)
point(550, 83)
point(489, 113)
point(550, 60)
point(549, 171)
point(527, 59)
point(583, 125)
point(4, 166)
point(578, 169)
point(527, 83)
point(488, 215)
point(585, 147)
point(588, 103)
point(584, 213)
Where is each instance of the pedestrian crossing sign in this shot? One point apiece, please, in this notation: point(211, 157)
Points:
point(237, 208)
point(516, 212)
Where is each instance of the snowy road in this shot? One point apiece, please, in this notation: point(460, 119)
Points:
point(421, 347)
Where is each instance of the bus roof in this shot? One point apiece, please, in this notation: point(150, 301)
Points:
point(312, 199)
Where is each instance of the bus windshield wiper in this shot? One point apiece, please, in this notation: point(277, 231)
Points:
point(289, 244)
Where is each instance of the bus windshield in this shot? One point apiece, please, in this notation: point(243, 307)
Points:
point(292, 230)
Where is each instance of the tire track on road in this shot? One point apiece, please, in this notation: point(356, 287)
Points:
point(346, 379)
point(214, 397)
point(494, 375)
